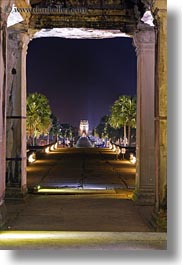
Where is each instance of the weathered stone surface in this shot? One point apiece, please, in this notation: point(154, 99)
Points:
point(16, 112)
point(3, 214)
point(79, 14)
point(161, 101)
point(94, 20)
point(4, 6)
point(122, 4)
point(144, 41)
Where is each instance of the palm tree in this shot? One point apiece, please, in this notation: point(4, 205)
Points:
point(130, 115)
point(38, 115)
point(123, 114)
point(55, 128)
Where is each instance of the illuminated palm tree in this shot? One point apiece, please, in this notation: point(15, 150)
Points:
point(123, 114)
point(38, 115)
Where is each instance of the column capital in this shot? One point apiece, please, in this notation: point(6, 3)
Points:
point(144, 34)
point(144, 38)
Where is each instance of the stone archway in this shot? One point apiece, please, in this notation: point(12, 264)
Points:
point(151, 125)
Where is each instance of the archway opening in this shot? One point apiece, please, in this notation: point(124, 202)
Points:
point(82, 75)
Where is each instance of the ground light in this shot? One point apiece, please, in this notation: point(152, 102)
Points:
point(31, 158)
point(114, 148)
point(124, 194)
point(52, 148)
point(47, 150)
point(75, 239)
point(132, 159)
point(110, 146)
point(47, 190)
point(118, 150)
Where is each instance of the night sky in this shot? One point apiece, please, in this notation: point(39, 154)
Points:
point(81, 78)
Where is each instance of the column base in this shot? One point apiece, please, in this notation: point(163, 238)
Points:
point(159, 220)
point(144, 196)
point(3, 215)
point(15, 192)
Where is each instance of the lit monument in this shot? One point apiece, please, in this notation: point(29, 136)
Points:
point(84, 127)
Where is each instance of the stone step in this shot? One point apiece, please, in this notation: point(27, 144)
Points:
point(83, 240)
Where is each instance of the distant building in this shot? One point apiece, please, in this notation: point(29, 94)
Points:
point(84, 127)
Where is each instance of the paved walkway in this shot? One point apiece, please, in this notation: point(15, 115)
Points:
point(92, 206)
point(81, 168)
point(87, 212)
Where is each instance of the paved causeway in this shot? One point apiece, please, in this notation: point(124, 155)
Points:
point(80, 190)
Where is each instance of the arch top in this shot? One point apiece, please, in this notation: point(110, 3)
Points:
point(79, 33)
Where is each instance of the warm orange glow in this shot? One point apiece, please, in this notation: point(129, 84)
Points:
point(52, 148)
point(47, 150)
point(31, 158)
point(132, 159)
point(114, 148)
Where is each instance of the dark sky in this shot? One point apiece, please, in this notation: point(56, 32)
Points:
point(81, 78)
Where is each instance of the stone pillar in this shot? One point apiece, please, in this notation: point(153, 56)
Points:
point(144, 40)
point(3, 88)
point(16, 114)
point(161, 113)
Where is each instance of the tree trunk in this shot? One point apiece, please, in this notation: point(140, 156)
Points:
point(129, 135)
point(48, 138)
point(124, 134)
point(34, 140)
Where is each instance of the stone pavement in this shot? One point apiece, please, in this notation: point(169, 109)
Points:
point(101, 215)
point(61, 240)
point(79, 221)
point(78, 212)
point(81, 168)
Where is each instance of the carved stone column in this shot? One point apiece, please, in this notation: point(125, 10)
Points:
point(161, 113)
point(4, 5)
point(144, 40)
point(16, 114)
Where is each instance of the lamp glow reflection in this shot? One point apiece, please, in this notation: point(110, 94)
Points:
point(132, 159)
point(114, 148)
point(47, 150)
point(110, 146)
point(57, 239)
point(31, 158)
point(17, 235)
point(52, 148)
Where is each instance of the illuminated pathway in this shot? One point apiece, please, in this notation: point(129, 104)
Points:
point(84, 197)
point(82, 168)
point(88, 186)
